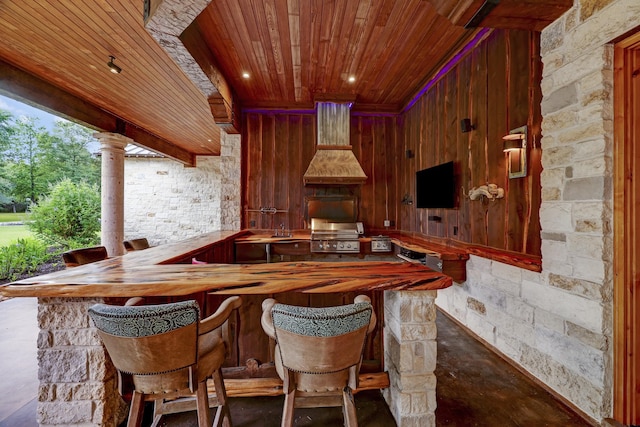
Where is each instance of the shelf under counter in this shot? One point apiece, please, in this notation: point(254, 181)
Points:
point(443, 259)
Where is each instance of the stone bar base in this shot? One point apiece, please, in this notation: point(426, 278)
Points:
point(410, 356)
point(78, 383)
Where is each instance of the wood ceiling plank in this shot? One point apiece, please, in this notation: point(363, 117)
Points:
point(270, 35)
point(353, 43)
point(172, 75)
point(293, 15)
point(220, 40)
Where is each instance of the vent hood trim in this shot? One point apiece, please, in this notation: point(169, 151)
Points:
point(336, 165)
point(334, 162)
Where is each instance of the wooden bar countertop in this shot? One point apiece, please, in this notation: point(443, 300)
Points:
point(150, 272)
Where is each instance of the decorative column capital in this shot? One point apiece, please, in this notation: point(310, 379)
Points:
point(110, 140)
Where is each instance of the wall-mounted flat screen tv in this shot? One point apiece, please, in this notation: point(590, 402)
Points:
point(436, 187)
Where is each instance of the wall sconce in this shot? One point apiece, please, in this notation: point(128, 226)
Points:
point(113, 67)
point(466, 126)
point(515, 145)
point(407, 200)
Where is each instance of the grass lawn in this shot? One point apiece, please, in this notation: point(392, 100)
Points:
point(13, 217)
point(10, 233)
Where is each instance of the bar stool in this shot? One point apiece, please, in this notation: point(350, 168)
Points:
point(76, 257)
point(168, 353)
point(136, 244)
point(318, 353)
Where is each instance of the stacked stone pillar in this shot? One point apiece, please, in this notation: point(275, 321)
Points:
point(410, 356)
point(78, 383)
point(112, 148)
point(230, 168)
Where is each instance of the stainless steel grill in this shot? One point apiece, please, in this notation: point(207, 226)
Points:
point(335, 237)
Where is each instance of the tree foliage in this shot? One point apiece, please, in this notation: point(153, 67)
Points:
point(25, 154)
point(23, 256)
point(5, 130)
point(32, 159)
point(67, 154)
point(68, 216)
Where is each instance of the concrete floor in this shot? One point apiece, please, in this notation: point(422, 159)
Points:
point(475, 387)
point(18, 362)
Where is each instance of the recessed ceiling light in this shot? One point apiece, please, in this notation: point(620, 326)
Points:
point(351, 79)
point(245, 75)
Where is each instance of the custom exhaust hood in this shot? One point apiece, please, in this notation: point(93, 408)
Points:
point(334, 161)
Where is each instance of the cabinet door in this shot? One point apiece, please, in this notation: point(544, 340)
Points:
point(291, 248)
point(250, 253)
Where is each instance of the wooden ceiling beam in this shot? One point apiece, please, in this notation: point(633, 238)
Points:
point(29, 89)
point(533, 15)
point(32, 90)
point(223, 108)
point(170, 23)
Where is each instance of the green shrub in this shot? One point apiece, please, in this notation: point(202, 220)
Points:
point(23, 256)
point(69, 216)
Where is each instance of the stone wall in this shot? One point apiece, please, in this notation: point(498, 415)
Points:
point(557, 324)
point(166, 201)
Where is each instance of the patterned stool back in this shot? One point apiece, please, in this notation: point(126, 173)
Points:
point(149, 339)
point(321, 340)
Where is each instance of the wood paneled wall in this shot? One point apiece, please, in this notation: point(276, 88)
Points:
point(497, 86)
point(277, 148)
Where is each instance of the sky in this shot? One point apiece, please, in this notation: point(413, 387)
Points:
point(18, 109)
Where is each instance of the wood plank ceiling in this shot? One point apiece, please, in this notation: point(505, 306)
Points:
point(293, 50)
point(296, 49)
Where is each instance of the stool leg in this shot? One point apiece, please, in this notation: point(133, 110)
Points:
point(136, 410)
point(202, 404)
point(223, 415)
point(349, 408)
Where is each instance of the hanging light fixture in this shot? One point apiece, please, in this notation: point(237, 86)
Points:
point(113, 67)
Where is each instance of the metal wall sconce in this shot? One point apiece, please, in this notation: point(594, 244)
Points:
point(113, 67)
point(466, 126)
point(515, 145)
point(406, 200)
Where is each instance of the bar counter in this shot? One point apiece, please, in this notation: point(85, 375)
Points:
point(77, 382)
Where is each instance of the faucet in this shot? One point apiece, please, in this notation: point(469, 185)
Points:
point(282, 232)
point(279, 232)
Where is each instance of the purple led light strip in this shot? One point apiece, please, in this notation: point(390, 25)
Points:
point(448, 66)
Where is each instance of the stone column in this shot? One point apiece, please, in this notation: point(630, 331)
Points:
point(410, 356)
point(112, 148)
point(230, 212)
point(78, 383)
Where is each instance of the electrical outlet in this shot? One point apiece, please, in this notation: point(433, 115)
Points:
point(387, 223)
point(252, 223)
